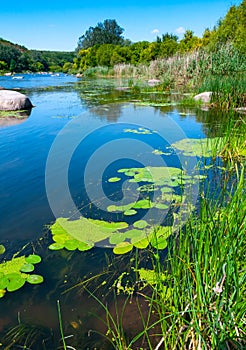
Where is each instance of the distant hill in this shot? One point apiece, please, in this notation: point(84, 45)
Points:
point(17, 58)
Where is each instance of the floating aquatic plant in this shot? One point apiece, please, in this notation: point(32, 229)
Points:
point(16, 272)
point(197, 147)
point(73, 235)
point(2, 249)
point(140, 131)
point(114, 179)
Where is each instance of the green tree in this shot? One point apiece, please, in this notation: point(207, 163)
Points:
point(108, 32)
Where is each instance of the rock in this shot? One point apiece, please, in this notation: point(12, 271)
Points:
point(14, 101)
point(241, 110)
point(79, 75)
point(153, 82)
point(204, 96)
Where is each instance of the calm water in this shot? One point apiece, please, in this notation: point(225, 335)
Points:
point(74, 139)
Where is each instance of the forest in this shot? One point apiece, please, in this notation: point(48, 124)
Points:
point(104, 45)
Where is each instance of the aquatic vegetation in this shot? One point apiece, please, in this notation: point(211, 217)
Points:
point(158, 152)
point(2, 249)
point(83, 234)
point(140, 131)
point(16, 272)
point(197, 147)
point(114, 179)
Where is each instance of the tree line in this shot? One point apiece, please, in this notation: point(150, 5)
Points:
point(16, 58)
point(104, 45)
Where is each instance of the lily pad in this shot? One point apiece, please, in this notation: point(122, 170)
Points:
point(2, 293)
point(114, 179)
point(140, 244)
point(82, 234)
point(2, 249)
point(33, 259)
point(140, 224)
point(35, 279)
point(56, 246)
point(122, 248)
point(161, 206)
point(14, 273)
point(197, 147)
point(143, 204)
point(158, 152)
point(140, 131)
point(15, 283)
point(82, 246)
point(117, 238)
point(27, 268)
point(130, 212)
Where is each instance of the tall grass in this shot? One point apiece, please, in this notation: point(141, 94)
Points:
point(221, 71)
point(206, 283)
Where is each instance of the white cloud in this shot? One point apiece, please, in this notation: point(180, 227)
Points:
point(180, 30)
point(155, 31)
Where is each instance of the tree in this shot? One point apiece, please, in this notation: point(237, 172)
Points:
point(108, 32)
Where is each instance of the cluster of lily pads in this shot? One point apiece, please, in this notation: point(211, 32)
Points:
point(16, 272)
point(140, 131)
point(197, 147)
point(83, 234)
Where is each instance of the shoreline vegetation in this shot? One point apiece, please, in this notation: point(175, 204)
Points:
point(194, 293)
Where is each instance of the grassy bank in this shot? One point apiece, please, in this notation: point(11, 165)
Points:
point(221, 71)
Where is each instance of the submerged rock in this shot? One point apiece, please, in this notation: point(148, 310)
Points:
point(14, 101)
point(204, 96)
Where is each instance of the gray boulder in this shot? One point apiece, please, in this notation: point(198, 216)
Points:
point(204, 96)
point(14, 101)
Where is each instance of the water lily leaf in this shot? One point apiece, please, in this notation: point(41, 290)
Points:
point(140, 224)
point(122, 248)
point(143, 204)
point(56, 246)
point(114, 179)
point(161, 206)
point(71, 244)
point(157, 152)
point(159, 237)
point(83, 246)
point(112, 208)
point(2, 249)
point(4, 281)
point(122, 170)
point(2, 293)
point(35, 279)
point(166, 190)
point(117, 238)
point(60, 238)
point(197, 147)
point(134, 233)
point(33, 259)
point(12, 266)
point(159, 244)
point(27, 268)
point(15, 283)
point(130, 212)
point(140, 244)
point(147, 188)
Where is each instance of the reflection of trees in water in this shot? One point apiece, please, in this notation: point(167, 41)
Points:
point(111, 112)
point(13, 118)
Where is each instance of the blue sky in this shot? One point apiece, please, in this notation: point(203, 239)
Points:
point(57, 24)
